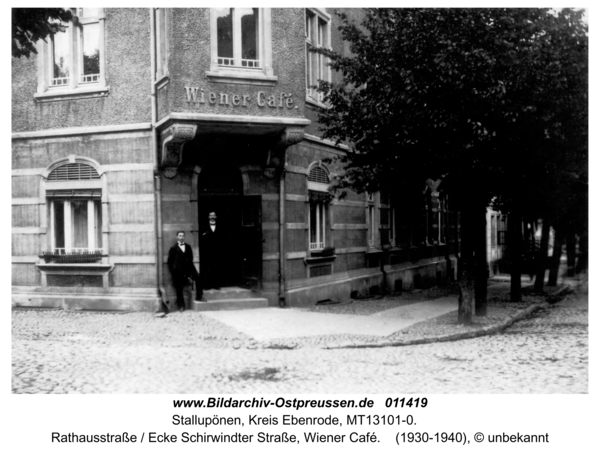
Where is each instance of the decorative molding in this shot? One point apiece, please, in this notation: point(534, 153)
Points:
point(128, 167)
point(81, 131)
point(116, 198)
point(349, 227)
point(173, 139)
point(27, 172)
point(296, 198)
point(296, 225)
point(114, 228)
point(242, 77)
point(142, 259)
point(79, 93)
point(350, 250)
point(233, 119)
point(25, 259)
point(27, 201)
point(28, 230)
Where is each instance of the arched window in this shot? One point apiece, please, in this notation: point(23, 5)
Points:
point(74, 192)
point(318, 194)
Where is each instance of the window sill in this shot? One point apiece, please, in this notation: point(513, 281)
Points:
point(162, 81)
point(76, 268)
point(310, 102)
point(315, 260)
point(78, 93)
point(242, 77)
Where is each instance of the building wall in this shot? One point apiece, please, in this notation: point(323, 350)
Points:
point(115, 130)
point(128, 76)
point(189, 51)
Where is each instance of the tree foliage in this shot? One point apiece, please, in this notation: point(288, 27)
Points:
point(495, 99)
point(32, 24)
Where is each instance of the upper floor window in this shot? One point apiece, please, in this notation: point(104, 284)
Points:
point(162, 59)
point(241, 46)
point(317, 34)
point(73, 62)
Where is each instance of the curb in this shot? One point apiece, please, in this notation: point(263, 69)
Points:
point(551, 299)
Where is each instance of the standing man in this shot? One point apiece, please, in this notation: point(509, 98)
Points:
point(212, 253)
point(183, 271)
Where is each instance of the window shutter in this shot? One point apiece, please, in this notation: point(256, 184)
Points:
point(74, 171)
point(318, 175)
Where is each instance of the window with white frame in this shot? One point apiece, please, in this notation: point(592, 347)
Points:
point(241, 45)
point(318, 190)
point(74, 192)
point(74, 60)
point(317, 34)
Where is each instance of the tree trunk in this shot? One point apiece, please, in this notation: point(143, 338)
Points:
point(514, 226)
point(582, 262)
point(555, 261)
point(542, 258)
point(481, 264)
point(466, 267)
point(571, 243)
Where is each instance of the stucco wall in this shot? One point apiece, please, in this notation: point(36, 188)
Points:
point(127, 43)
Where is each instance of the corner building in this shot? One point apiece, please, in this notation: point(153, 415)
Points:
point(135, 123)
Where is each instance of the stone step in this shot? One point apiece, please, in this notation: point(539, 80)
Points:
point(223, 304)
point(228, 293)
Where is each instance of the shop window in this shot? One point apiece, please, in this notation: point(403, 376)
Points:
point(241, 46)
point(318, 190)
point(317, 34)
point(74, 195)
point(72, 62)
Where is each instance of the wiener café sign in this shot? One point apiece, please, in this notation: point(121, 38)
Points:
point(197, 95)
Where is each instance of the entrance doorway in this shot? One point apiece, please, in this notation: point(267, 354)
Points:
point(239, 248)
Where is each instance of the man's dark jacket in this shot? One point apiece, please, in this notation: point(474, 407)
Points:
point(181, 264)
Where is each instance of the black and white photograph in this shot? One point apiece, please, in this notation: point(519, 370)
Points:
point(299, 200)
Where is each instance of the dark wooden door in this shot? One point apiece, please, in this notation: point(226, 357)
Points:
point(251, 242)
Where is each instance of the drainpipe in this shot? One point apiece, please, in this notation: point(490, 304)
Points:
point(282, 302)
point(157, 180)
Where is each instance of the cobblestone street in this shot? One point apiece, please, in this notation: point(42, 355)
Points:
point(56, 351)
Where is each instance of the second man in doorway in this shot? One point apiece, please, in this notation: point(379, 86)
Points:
point(212, 242)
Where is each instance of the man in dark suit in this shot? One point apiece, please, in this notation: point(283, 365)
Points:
point(183, 271)
point(212, 241)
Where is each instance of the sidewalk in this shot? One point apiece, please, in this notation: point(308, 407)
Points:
point(399, 322)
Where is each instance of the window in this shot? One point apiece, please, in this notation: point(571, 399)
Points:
point(162, 58)
point(72, 62)
point(241, 46)
point(317, 34)
point(74, 194)
point(371, 220)
point(318, 190)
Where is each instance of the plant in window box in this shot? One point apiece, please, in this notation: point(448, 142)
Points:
point(325, 252)
point(62, 256)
